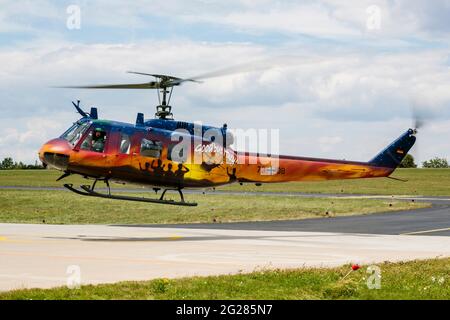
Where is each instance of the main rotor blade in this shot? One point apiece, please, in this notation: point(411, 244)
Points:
point(258, 65)
point(167, 81)
point(161, 76)
point(147, 85)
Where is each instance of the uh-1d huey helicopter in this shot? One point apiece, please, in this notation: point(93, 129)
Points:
point(147, 152)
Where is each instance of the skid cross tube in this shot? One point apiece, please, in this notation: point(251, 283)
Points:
point(179, 191)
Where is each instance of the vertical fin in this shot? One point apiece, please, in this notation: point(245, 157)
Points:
point(393, 154)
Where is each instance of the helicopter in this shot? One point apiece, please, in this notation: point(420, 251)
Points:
point(170, 155)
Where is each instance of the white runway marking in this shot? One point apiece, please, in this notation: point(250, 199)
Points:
point(426, 231)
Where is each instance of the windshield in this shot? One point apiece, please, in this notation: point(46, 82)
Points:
point(75, 132)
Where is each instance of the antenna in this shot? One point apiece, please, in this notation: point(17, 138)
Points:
point(79, 110)
point(140, 120)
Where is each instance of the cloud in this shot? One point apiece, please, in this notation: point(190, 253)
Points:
point(335, 19)
point(22, 140)
point(21, 16)
point(348, 88)
point(328, 143)
point(409, 21)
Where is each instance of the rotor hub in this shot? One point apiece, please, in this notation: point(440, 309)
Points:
point(164, 112)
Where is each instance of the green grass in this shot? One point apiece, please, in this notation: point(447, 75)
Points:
point(425, 279)
point(434, 182)
point(64, 207)
point(37, 178)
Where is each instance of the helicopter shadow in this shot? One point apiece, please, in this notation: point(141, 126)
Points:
point(188, 238)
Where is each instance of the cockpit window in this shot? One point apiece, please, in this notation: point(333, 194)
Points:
point(95, 140)
point(74, 133)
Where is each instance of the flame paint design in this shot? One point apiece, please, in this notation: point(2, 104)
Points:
point(161, 171)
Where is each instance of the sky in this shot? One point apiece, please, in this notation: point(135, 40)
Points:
point(343, 78)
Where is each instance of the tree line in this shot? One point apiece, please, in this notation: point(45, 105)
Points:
point(408, 162)
point(9, 164)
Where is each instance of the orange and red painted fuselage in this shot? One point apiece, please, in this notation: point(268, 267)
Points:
point(143, 154)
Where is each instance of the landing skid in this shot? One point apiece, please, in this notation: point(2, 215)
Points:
point(89, 191)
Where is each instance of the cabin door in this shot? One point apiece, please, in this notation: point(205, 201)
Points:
point(92, 150)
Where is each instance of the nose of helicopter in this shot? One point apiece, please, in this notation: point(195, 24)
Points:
point(55, 153)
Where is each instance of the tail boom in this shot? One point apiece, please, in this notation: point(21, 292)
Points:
point(254, 168)
point(287, 168)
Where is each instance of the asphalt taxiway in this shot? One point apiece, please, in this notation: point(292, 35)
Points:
point(434, 221)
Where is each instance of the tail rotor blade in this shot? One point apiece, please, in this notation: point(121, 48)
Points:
point(418, 118)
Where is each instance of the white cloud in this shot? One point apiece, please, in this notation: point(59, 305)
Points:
point(326, 18)
point(18, 16)
point(358, 87)
point(22, 140)
point(333, 18)
point(327, 144)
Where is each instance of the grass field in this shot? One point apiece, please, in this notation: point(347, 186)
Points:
point(64, 207)
point(434, 182)
point(426, 279)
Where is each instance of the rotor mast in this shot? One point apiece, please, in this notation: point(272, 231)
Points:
point(164, 110)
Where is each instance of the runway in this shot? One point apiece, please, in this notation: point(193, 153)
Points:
point(45, 255)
